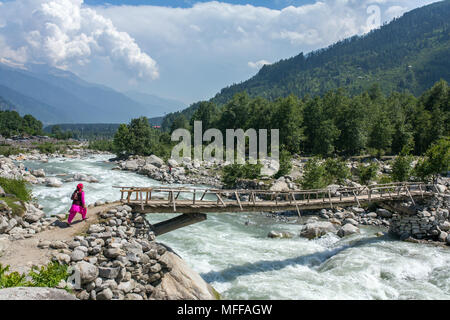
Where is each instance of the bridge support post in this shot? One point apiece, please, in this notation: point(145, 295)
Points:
point(177, 222)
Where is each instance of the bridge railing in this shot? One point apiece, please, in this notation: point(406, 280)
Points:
point(244, 197)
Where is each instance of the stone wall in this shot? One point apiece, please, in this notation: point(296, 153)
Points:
point(428, 221)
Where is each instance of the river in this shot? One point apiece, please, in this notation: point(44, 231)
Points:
point(232, 252)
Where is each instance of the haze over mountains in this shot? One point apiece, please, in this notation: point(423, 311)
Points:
point(57, 96)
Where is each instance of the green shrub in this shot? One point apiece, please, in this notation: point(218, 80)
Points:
point(436, 161)
point(314, 175)
point(13, 279)
point(233, 172)
point(48, 147)
point(367, 173)
point(401, 169)
point(48, 276)
point(7, 150)
point(285, 164)
point(101, 145)
point(336, 170)
point(19, 188)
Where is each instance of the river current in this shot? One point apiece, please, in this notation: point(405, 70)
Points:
point(232, 252)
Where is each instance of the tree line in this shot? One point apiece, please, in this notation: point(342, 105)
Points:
point(335, 124)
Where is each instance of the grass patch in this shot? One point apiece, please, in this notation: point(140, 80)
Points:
point(47, 276)
point(19, 188)
point(7, 150)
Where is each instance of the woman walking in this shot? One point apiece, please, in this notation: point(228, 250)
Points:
point(78, 204)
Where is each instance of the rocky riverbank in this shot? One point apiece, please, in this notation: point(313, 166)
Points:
point(118, 258)
point(187, 172)
point(426, 221)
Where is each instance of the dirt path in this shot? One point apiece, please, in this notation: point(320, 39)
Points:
point(22, 254)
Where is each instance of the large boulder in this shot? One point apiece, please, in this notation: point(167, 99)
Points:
point(172, 162)
point(53, 182)
point(279, 185)
point(154, 160)
point(317, 229)
point(35, 293)
point(39, 173)
point(441, 188)
point(347, 229)
point(182, 283)
point(131, 165)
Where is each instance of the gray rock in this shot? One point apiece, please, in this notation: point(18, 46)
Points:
point(317, 229)
point(39, 173)
point(35, 293)
point(441, 188)
point(113, 253)
point(154, 160)
point(347, 229)
point(358, 210)
point(126, 287)
point(384, 213)
point(58, 245)
point(106, 294)
point(4, 225)
point(372, 215)
point(95, 228)
point(33, 216)
point(77, 255)
point(445, 226)
point(109, 273)
point(88, 272)
point(443, 236)
point(53, 182)
point(133, 296)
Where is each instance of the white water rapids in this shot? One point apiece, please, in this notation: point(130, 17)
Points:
point(241, 262)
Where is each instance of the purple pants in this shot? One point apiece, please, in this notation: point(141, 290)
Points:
point(74, 210)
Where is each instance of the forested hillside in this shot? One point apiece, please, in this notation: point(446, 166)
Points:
point(409, 54)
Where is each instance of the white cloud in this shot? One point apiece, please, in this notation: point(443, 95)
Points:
point(258, 64)
point(65, 32)
point(199, 50)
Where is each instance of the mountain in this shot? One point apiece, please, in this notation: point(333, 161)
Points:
point(410, 53)
point(164, 105)
point(57, 96)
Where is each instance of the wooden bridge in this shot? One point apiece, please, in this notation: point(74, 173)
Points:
point(194, 203)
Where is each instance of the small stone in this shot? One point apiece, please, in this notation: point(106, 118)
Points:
point(133, 296)
point(443, 236)
point(106, 294)
point(109, 273)
point(77, 255)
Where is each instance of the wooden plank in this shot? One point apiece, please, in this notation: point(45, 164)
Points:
point(296, 205)
point(220, 198)
point(177, 223)
point(409, 193)
point(238, 200)
point(329, 197)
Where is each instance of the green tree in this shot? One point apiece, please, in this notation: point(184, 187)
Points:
point(336, 170)
point(367, 173)
point(314, 175)
point(436, 161)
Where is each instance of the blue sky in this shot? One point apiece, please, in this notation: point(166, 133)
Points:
point(180, 49)
point(273, 4)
